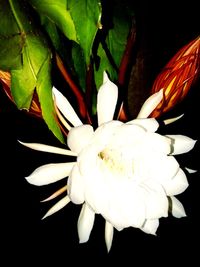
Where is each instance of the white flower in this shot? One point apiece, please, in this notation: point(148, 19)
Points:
point(124, 171)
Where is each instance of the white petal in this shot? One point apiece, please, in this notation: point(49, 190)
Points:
point(66, 108)
point(75, 186)
point(158, 166)
point(178, 210)
point(109, 231)
point(177, 184)
point(58, 206)
point(87, 160)
point(171, 120)
point(150, 226)
point(85, 223)
point(106, 100)
point(50, 149)
point(79, 137)
point(50, 173)
point(128, 206)
point(158, 143)
point(190, 170)
point(55, 194)
point(181, 144)
point(128, 137)
point(150, 104)
point(149, 124)
point(155, 199)
point(104, 133)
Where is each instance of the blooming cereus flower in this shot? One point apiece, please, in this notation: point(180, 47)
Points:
point(177, 76)
point(125, 172)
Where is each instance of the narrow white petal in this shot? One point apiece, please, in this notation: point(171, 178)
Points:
point(79, 137)
point(171, 120)
point(150, 226)
point(150, 104)
point(149, 124)
point(50, 149)
point(66, 108)
point(85, 223)
point(58, 206)
point(109, 231)
point(178, 210)
point(50, 173)
point(106, 100)
point(56, 194)
point(181, 144)
point(62, 119)
point(190, 170)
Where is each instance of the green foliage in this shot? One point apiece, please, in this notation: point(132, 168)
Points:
point(12, 38)
point(86, 16)
point(87, 35)
point(56, 11)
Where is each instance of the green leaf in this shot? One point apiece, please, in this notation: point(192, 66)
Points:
point(30, 69)
point(60, 43)
point(23, 81)
point(44, 91)
point(104, 65)
point(116, 39)
point(52, 31)
point(12, 39)
point(23, 84)
point(57, 12)
point(86, 15)
point(112, 40)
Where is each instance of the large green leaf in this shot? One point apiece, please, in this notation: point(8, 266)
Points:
point(33, 69)
point(86, 15)
point(12, 39)
point(23, 81)
point(44, 91)
point(57, 12)
point(35, 73)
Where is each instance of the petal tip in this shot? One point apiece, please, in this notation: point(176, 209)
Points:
point(105, 77)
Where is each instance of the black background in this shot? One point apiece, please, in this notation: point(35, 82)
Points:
point(26, 239)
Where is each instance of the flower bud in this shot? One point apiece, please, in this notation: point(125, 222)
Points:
point(177, 77)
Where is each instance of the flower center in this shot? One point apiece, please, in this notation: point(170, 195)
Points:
point(117, 162)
